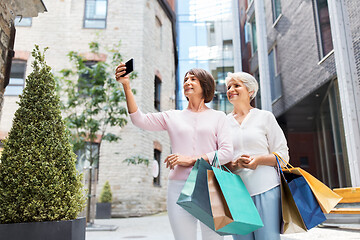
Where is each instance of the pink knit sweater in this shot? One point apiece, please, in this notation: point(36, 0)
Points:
point(191, 134)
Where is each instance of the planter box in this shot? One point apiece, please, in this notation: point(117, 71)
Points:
point(55, 230)
point(103, 210)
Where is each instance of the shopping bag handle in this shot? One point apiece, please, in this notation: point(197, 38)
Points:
point(277, 160)
point(282, 161)
point(216, 163)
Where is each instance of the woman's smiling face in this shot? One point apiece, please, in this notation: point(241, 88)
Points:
point(237, 91)
point(192, 86)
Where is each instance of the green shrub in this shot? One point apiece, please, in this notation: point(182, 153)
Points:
point(106, 195)
point(38, 178)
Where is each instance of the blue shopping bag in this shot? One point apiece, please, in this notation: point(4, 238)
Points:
point(305, 200)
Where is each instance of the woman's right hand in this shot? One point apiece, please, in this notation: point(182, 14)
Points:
point(242, 161)
point(120, 70)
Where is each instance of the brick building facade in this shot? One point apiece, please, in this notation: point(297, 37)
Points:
point(305, 80)
point(8, 10)
point(146, 30)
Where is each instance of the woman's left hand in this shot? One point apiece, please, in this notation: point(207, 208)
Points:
point(176, 159)
point(246, 161)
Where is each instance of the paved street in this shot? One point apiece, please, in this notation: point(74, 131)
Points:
point(157, 227)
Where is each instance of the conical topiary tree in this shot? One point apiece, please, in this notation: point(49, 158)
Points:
point(38, 178)
point(106, 194)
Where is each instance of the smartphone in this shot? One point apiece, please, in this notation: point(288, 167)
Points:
point(129, 67)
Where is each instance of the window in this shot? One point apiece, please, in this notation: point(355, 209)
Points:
point(228, 49)
point(23, 22)
point(304, 162)
point(95, 13)
point(85, 80)
point(257, 100)
point(158, 30)
point(157, 93)
point(17, 78)
point(276, 9)
point(323, 27)
point(157, 155)
point(275, 80)
point(253, 35)
point(83, 156)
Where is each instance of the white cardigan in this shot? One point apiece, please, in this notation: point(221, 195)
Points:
point(258, 134)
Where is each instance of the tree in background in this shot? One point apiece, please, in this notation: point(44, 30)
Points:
point(93, 102)
point(38, 177)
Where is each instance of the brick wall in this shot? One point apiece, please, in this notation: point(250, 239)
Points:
point(353, 9)
point(6, 19)
point(132, 22)
point(298, 58)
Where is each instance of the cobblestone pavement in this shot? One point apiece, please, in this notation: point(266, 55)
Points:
point(157, 227)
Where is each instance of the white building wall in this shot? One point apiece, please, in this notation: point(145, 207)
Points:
point(132, 22)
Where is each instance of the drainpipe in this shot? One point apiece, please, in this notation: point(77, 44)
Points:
point(236, 36)
point(261, 37)
point(348, 84)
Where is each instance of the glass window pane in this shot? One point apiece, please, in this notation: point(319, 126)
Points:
point(95, 14)
point(187, 38)
point(182, 7)
point(324, 26)
point(276, 7)
point(13, 90)
point(16, 81)
point(253, 32)
point(23, 22)
point(100, 11)
point(95, 24)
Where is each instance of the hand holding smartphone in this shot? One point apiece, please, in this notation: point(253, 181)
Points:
point(129, 67)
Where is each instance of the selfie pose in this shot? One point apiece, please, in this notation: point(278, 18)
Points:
point(256, 135)
point(195, 132)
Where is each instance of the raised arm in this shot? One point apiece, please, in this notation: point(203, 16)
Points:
point(125, 81)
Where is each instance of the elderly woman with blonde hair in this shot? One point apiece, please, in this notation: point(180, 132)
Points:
point(256, 135)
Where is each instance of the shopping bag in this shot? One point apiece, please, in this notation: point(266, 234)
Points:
point(326, 198)
point(291, 221)
point(219, 208)
point(234, 211)
point(194, 197)
point(305, 200)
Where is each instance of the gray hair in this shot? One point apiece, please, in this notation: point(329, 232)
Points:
point(248, 80)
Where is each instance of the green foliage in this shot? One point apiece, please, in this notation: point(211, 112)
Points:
point(137, 160)
point(93, 100)
point(38, 178)
point(106, 195)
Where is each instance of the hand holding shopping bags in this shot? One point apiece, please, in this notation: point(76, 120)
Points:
point(237, 214)
point(301, 210)
point(219, 199)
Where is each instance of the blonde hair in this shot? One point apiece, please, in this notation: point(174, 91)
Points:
point(248, 80)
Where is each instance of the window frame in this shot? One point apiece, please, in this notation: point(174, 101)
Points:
point(253, 35)
point(274, 12)
point(19, 24)
point(15, 61)
point(157, 157)
point(95, 19)
point(321, 50)
point(157, 93)
point(89, 64)
point(276, 75)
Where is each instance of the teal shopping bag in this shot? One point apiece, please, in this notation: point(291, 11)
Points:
point(240, 213)
point(194, 196)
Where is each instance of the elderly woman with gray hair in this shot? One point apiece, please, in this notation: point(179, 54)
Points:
point(256, 135)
